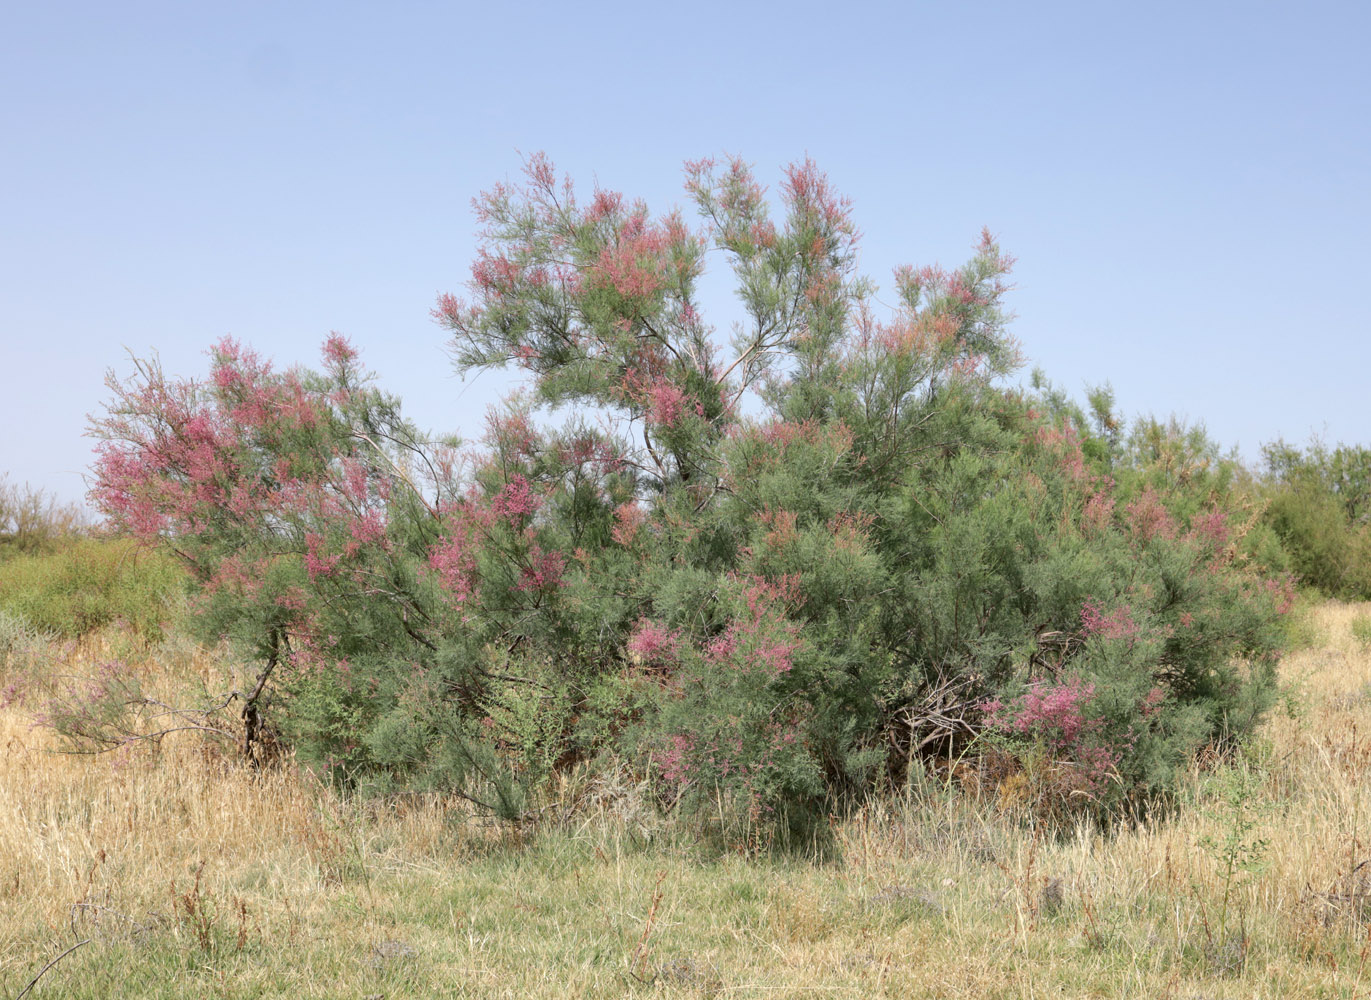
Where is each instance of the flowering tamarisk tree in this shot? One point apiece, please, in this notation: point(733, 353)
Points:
point(266, 485)
point(786, 565)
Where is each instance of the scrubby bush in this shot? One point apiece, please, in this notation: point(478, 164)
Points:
point(1319, 505)
point(33, 520)
point(88, 583)
point(783, 572)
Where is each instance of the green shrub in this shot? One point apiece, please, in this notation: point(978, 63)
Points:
point(1319, 505)
point(89, 583)
point(783, 604)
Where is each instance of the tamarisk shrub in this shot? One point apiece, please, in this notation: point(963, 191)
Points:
point(780, 568)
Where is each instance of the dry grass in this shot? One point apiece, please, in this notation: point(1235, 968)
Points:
point(191, 876)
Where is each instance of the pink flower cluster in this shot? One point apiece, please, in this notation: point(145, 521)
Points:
point(917, 335)
point(1065, 443)
point(1054, 713)
point(675, 760)
point(495, 274)
point(768, 594)
point(628, 518)
point(180, 456)
point(1055, 716)
point(596, 455)
point(1149, 519)
point(810, 197)
point(666, 404)
point(543, 572)
point(1152, 702)
point(744, 754)
point(1116, 624)
point(1099, 511)
point(723, 646)
point(781, 525)
point(633, 264)
point(515, 502)
point(771, 644)
point(765, 638)
point(511, 434)
point(1211, 526)
point(453, 560)
point(851, 530)
point(339, 354)
point(1282, 590)
point(764, 446)
point(654, 644)
point(776, 652)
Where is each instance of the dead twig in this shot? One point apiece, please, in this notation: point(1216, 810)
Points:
point(639, 960)
point(98, 910)
point(34, 981)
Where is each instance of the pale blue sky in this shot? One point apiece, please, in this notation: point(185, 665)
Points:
point(1185, 185)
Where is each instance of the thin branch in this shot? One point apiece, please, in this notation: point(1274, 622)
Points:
point(399, 472)
point(647, 439)
point(413, 447)
point(132, 737)
point(34, 980)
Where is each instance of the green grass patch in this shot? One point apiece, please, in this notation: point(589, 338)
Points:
point(90, 583)
point(1361, 631)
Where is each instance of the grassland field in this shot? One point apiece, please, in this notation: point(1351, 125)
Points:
point(178, 872)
